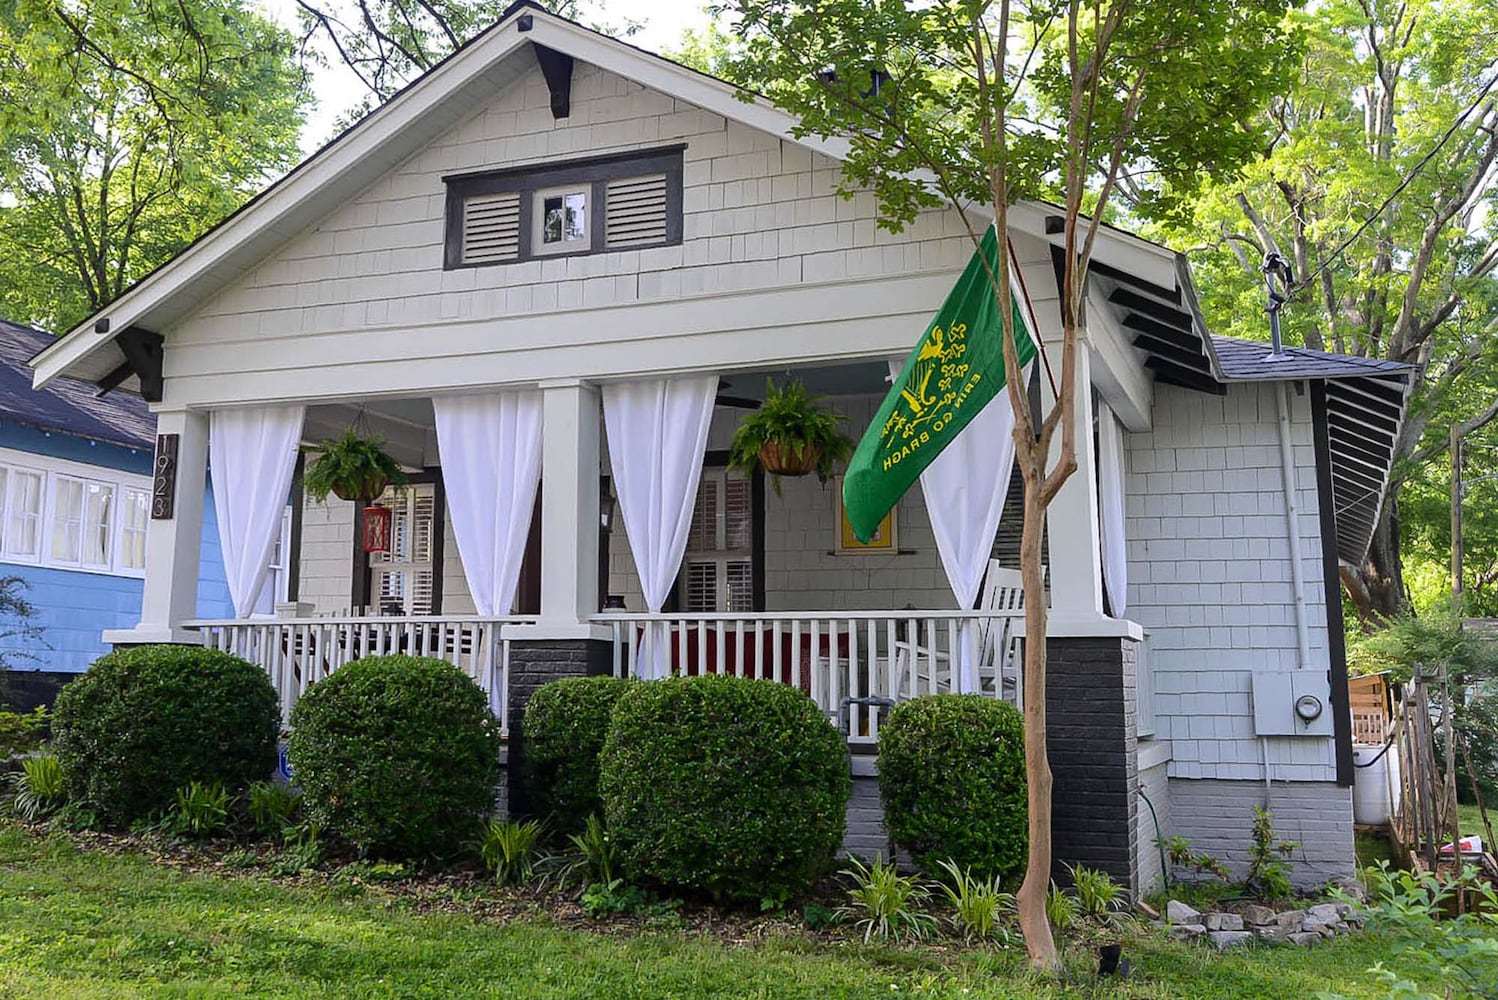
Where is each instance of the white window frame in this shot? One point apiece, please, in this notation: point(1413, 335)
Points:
point(52, 471)
point(539, 246)
point(380, 563)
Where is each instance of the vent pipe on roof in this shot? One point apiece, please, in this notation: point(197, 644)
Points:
point(1276, 266)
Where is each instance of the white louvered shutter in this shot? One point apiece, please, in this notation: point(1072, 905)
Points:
point(718, 573)
point(635, 211)
point(403, 577)
point(491, 228)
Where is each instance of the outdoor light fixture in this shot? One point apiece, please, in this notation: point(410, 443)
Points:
point(376, 528)
point(606, 503)
point(1276, 267)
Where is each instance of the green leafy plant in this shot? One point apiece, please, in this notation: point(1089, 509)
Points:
point(508, 848)
point(303, 849)
point(396, 755)
point(886, 905)
point(612, 898)
point(564, 727)
point(22, 732)
point(597, 849)
point(1268, 859)
point(1179, 850)
point(819, 917)
point(146, 721)
point(353, 467)
point(978, 904)
point(358, 872)
point(789, 435)
point(272, 806)
point(202, 810)
point(39, 788)
point(952, 778)
point(732, 787)
point(1410, 909)
point(1060, 909)
point(1097, 894)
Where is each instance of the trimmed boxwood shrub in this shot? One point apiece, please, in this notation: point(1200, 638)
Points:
point(397, 755)
point(952, 777)
point(564, 727)
point(733, 787)
point(143, 722)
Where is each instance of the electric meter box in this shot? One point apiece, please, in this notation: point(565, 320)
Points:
point(1292, 703)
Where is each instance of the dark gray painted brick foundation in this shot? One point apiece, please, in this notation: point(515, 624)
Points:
point(533, 664)
point(29, 689)
point(1091, 739)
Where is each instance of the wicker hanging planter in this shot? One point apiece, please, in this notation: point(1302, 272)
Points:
point(352, 467)
point(789, 460)
point(365, 489)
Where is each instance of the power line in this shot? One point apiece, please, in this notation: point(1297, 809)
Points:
point(1408, 179)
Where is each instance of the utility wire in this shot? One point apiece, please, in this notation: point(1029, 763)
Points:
point(1408, 179)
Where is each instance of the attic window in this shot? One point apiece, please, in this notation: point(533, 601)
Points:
point(625, 201)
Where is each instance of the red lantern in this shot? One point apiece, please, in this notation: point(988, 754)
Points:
point(376, 532)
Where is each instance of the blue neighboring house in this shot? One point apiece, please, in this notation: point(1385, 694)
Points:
point(75, 488)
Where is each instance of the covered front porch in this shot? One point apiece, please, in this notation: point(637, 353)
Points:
point(769, 584)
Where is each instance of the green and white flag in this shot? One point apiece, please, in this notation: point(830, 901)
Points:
point(955, 370)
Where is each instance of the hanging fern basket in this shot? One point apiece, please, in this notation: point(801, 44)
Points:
point(363, 489)
point(781, 459)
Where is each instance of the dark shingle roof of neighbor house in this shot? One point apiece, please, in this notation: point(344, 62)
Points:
point(1365, 397)
point(66, 406)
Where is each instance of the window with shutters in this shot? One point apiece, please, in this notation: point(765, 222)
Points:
point(625, 201)
point(718, 571)
point(401, 580)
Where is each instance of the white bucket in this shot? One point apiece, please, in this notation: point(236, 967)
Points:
point(1375, 789)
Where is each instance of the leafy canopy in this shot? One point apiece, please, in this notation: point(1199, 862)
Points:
point(127, 128)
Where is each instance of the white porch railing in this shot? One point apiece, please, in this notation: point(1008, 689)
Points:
point(298, 652)
point(853, 664)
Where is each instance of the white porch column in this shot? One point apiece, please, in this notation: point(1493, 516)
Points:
point(173, 545)
point(1075, 549)
point(570, 438)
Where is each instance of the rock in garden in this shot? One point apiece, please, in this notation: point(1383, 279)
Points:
point(1324, 912)
point(1274, 932)
point(1291, 918)
point(1223, 922)
point(1319, 922)
point(1223, 940)
point(1257, 916)
point(1304, 938)
point(1178, 912)
point(1186, 932)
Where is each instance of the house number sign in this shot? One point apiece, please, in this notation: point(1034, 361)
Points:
point(164, 486)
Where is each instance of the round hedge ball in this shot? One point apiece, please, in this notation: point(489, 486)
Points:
point(564, 727)
point(731, 787)
point(396, 755)
point(145, 721)
point(952, 777)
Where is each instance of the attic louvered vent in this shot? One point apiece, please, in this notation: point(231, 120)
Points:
point(491, 228)
point(600, 204)
point(636, 210)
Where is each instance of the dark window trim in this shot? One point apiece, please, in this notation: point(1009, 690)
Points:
point(1336, 638)
point(594, 172)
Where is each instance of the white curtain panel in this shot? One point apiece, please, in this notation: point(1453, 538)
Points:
point(490, 445)
point(252, 455)
point(1110, 459)
point(965, 486)
point(657, 430)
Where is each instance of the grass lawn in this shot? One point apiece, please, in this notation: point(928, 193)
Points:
point(78, 924)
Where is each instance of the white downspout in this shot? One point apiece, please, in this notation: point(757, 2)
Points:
point(1292, 526)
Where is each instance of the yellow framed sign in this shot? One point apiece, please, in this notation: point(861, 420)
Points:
point(885, 540)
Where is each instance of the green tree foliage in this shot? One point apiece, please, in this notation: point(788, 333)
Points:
point(1390, 116)
point(127, 128)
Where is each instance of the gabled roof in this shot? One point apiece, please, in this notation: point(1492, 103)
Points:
point(66, 405)
point(436, 101)
point(1252, 361)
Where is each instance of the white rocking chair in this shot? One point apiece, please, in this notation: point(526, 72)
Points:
point(1000, 666)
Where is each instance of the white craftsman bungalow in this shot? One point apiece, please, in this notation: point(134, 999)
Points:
point(559, 258)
